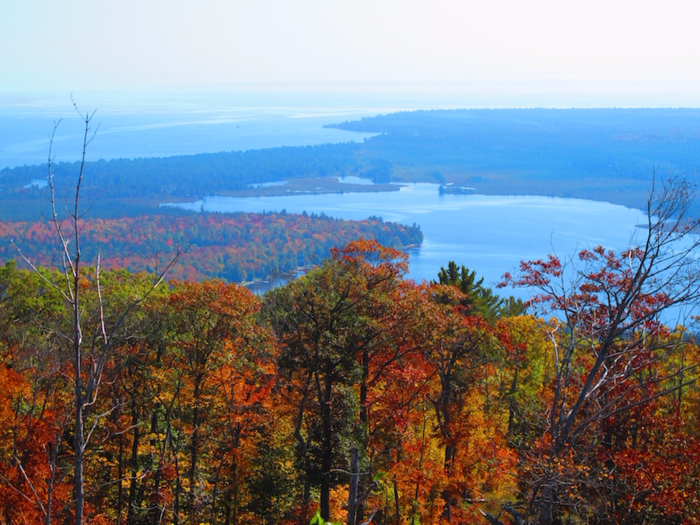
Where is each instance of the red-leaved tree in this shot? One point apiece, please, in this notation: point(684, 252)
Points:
point(608, 340)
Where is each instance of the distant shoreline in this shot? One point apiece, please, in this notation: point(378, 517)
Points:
point(310, 186)
point(604, 155)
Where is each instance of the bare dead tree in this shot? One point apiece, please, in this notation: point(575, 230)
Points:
point(612, 308)
point(89, 360)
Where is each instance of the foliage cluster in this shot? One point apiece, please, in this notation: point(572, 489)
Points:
point(220, 407)
point(234, 247)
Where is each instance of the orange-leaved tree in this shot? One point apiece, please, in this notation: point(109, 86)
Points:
point(341, 327)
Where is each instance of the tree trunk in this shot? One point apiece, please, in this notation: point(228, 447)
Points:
point(79, 439)
point(192, 496)
point(130, 518)
point(352, 494)
point(120, 475)
point(511, 403)
point(397, 511)
point(364, 420)
point(176, 506)
point(450, 450)
point(53, 465)
point(546, 510)
point(326, 447)
point(155, 511)
point(228, 513)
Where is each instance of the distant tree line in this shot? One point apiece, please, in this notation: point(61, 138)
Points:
point(234, 247)
point(187, 175)
point(603, 154)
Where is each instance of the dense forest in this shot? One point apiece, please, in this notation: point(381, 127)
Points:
point(599, 154)
point(159, 179)
point(357, 395)
point(234, 247)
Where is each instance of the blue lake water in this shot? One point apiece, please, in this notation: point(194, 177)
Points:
point(136, 124)
point(146, 123)
point(24, 139)
point(489, 234)
point(133, 125)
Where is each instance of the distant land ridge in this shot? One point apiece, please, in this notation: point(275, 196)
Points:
point(597, 154)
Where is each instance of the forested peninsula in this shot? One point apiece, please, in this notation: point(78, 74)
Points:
point(234, 247)
point(598, 154)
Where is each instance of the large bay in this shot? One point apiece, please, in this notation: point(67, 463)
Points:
point(490, 234)
point(24, 140)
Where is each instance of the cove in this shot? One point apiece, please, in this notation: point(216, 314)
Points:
point(489, 234)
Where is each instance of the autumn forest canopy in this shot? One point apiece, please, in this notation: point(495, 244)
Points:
point(357, 395)
point(234, 247)
point(141, 385)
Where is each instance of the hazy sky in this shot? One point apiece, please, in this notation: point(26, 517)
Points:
point(615, 45)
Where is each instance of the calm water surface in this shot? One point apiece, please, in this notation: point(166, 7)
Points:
point(24, 139)
point(489, 234)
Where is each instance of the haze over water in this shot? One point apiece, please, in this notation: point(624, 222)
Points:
point(159, 123)
point(148, 125)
